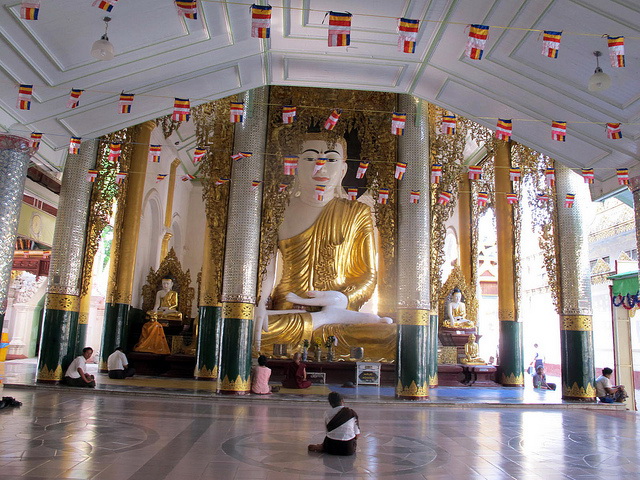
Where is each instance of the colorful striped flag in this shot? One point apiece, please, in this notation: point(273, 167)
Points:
point(444, 197)
point(288, 114)
point(543, 197)
point(407, 34)
point(333, 119)
point(623, 176)
point(401, 168)
point(34, 143)
point(260, 21)
point(25, 93)
point(240, 155)
point(512, 198)
point(616, 51)
point(613, 131)
point(222, 181)
point(115, 149)
point(398, 122)
point(106, 5)
point(198, 154)
point(74, 145)
point(477, 39)
point(362, 169)
point(383, 196)
point(120, 176)
point(320, 162)
point(236, 112)
point(92, 175)
point(125, 102)
point(515, 174)
point(29, 10)
point(186, 178)
point(290, 164)
point(475, 172)
point(188, 9)
point(414, 196)
point(255, 184)
point(74, 98)
point(436, 173)
point(551, 43)
point(448, 126)
point(154, 153)
point(339, 29)
point(320, 192)
point(352, 193)
point(503, 129)
point(282, 187)
point(160, 177)
point(569, 200)
point(181, 110)
point(588, 175)
point(483, 198)
point(550, 177)
point(559, 131)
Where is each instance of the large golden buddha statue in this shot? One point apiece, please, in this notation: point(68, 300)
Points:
point(326, 248)
point(164, 313)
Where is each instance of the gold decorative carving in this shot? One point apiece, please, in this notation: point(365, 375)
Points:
point(413, 317)
point(507, 314)
point(207, 373)
point(104, 193)
point(457, 280)
point(238, 311)
point(413, 390)
point(123, 298)
point(512, 379)
point(47, 375)
point(237, 385)
point(448, 356)
point(433, 380)
point(577, 323)
point(66, 303)
point(170, 267)
point(103, 366)
point(579, 392)
point(83, 318)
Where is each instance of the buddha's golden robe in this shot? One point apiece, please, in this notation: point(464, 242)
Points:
point(152, 339)
point(336, 253)
point(170, 300)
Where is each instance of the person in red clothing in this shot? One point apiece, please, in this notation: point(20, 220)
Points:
point(295, 374)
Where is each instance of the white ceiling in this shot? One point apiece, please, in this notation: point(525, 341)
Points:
point(160, 55)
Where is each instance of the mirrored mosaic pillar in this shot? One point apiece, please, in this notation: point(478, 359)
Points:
point(413, 257)
point(576, 325)
point(14, 162)
point(60, 329)
point(511, 349)
point(242, 252)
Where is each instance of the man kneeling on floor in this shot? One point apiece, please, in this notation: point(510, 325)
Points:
point(606, 392)
point(76, 375)
point(342, 429)
point(118, 365)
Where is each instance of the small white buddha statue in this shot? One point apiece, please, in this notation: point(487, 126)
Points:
point(457, 312)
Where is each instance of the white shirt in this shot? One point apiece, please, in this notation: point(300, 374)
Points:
point(346, 431)
point(78, 362)
point(602, 383)
point(117, 361)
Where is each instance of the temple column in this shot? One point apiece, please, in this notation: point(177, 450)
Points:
point(414, 281)
point(464, 232)
point(242, 251)
point(511, 351)
point(60, 329)
point(168, 212)
point(14, 162)
point(576, 326)
point(123, 257)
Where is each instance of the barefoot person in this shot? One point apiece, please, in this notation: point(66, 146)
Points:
point(76, 374)
point(606, 392)
point(342, 429)
point(295, 374)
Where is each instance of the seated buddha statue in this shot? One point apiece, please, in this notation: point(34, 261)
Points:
point(326, 243)
point(166, 304)
point(457, 312)
point(471, 352)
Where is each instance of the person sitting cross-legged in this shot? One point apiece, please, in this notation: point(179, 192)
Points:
point(540, 380)
point(606, 392)
point(343, 429)
point(118, 365)
point(76, 375)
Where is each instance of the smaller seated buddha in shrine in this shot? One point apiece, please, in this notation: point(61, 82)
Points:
point(457, 312)
point(471, 352)
point(166, 304)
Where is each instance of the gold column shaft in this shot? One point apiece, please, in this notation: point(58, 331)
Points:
point(464, 227)
point(131, 219)
point(85, 307)
point(209, 293)
point(504, 227)
point(168, 213)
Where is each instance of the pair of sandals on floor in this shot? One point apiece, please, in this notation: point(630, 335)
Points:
point(9, 402)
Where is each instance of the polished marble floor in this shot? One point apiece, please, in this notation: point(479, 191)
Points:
point(85, 434)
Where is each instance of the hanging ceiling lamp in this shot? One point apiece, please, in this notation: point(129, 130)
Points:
point(599, 81)
point(103, 49)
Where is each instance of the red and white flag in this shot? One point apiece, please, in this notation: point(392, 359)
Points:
point(290, 164)
point(74, 145)
point(414, 196)
point(154, 153)
point(475, 172)
point(512, 198)
point(401, 168)
point(198, 154)
point(444, 197)
point(120, 176)
point(362, 169)
point(514, 174)
point(320, 192)
point(115, 149)
point(289, 114)
point(352, 193)
point(569, 200)
point(74, 98)
point(383, 196)
point(550, 177)
point(332, 120)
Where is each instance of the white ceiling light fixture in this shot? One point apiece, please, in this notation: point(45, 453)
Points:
point(599, 81)
point(103, 49)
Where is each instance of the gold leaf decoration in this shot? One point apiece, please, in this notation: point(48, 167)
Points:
point(578, 392)
point(412, 390)
point(47, 375)
point(237, 385)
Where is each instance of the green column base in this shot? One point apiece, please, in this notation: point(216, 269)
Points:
point(57, 345)
point(511, 354)
point(2, 321)
point(413, 362)
point(578, 368)
point(209, 328)
point(81, 337)
point(433, 351)
point(235, 355)
point(116, 331)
